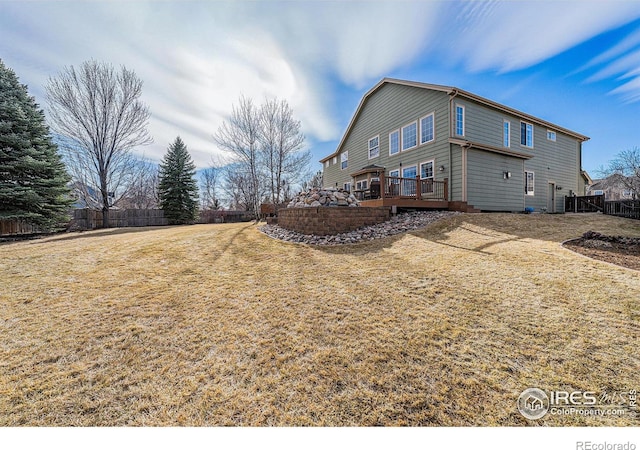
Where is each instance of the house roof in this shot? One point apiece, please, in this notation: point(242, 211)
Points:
point(489, 148)
point(372, 168)
point(456, 92)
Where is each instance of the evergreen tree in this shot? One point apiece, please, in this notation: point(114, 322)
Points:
point(178, 189)
point(33, 179)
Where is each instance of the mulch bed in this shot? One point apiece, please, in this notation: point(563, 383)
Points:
point(619, 250)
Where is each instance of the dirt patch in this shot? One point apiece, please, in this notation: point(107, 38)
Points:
point(619, 250)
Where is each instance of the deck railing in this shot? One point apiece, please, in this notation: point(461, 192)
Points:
point(397, 187)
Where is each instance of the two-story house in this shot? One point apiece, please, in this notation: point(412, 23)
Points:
point(439, 146)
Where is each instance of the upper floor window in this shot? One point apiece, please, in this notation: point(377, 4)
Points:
point(526, 134)
point(344, 159)
point(409, 136)
point(374, 147)
point(426, 129)
point(326, 163)
point(506, 134)
point(598, 192)
point(551, 135)
point(529, 183)
point(335, 160)
point(394, 142)
point(459, 120)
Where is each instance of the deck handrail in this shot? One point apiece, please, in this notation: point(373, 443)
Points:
point(417, 188)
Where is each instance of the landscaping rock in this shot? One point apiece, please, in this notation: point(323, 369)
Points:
point(323, 197)
point(398, 224)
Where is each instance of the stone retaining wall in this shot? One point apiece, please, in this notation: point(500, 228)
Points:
point(322, 220)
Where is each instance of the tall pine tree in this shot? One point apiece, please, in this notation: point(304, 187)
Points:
point(33, 179)
point(178, 190)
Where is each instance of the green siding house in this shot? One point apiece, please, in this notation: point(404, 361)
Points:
point(482, 155)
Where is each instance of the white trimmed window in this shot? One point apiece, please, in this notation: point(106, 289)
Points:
point(326, 163)
point(374, 147)
point(526, 134)
point(427, 133)
point(506, 133)
point(361, 185)
point(598, 192)
point(409, 136)
point(459, 120)
point(529, 182)
point(426, 170)
point(409, 186)
point(394, 142)
point(551, 135)
point(347, 187)
point(344, 159)
point(335, 160)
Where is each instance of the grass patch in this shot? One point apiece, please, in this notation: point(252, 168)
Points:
point(221, 325)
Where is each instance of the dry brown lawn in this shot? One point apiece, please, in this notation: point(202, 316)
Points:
point(222, 325)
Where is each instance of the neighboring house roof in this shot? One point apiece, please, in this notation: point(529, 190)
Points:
point(586, 177)
point(456, 92)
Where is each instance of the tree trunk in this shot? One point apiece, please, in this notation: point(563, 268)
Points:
point(104, 191)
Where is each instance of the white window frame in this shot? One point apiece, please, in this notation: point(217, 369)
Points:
point(409, 188)
point(433, 173)
point(361, 185)
point(402, 148)
point(396, 171)
point(506, 133)
point(551, 135)
point(433, 128)
point(347, 186)
point(326, 164)
point(598, 192)
point(526, 144)
point(390, 147)
point(344, 158)
point(627, 193)
point(460, 124)
point(376, 147)
point(335, 160)
point(526, 182)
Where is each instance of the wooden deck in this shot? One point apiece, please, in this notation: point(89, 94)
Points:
point(406, 202)
point(406, 193)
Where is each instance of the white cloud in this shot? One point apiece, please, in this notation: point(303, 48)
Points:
point(197, 58)
point(508, 36)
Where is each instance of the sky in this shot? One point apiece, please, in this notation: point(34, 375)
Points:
point(575, 63)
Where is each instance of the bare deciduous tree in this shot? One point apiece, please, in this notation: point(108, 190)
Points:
point(240, 136)
point(266, 148)
point(627, 164)
point(210, 180)
point(315, 181)
point(142, 191)
point(281, 145)
point(98, 110)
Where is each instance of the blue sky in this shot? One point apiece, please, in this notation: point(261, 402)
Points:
point(574, 63)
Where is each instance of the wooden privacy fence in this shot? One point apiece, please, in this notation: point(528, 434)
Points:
point(210, 216)
point(13, 227)
point(89, 219)
point(623, 208)
point(583, 204)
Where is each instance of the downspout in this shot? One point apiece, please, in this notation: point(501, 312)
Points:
point(451, 127)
